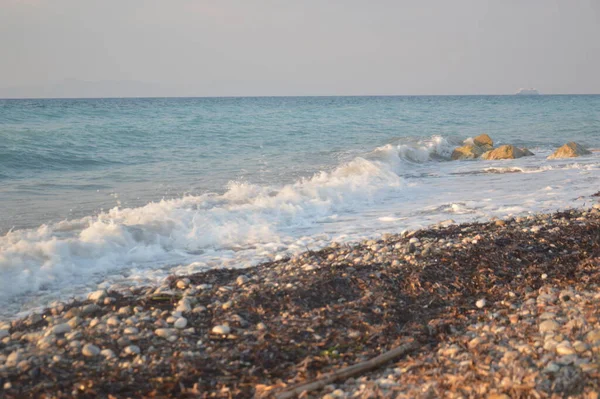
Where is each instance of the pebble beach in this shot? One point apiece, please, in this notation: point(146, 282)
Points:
point(502, 309)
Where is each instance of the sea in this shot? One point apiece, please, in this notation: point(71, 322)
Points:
point(120, 193)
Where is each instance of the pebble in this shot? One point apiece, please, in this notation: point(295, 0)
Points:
point(89, 309)
point(96, 296)
point(181, 323)
point(132, 350)
point(113, 321)
point(90, 350)
point(165, 332)
point(565, 348)
point(261, 326)
point(241, 280)
point(130, 331)
point(75, 321)
point(182, 284)
point(184, 305)
point(13, 359)
point(552, 368)
point(480, 303)
point(108, 353)
point(548, 326)
point(60, 329)
point(221, 330)
point(593, 337)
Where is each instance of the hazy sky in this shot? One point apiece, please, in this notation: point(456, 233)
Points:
point(302, 47)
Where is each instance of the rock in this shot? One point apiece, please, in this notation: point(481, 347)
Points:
point(565, 348)
point(113, 321)
point(480, 303)
point(526, 152)
point(570, 150)
point(506, 152)
point(221, 330)
point(182, 284)
point(580, 346)
point(180, 323)
point(484, 141)
point(548, 326)
point(73, 335)
point(97, 296)
point(261, 326)
point(108, 353)
point(469, 151)
point(184, 305)
point(60, 329)
point(552, 368)
point(593, 337)
point(90, 350)
point(132, 350)
point(89, 309)
point(165, 332)
point(130, 331)
point(241, 280)
point(75, 321)
point(13, 359)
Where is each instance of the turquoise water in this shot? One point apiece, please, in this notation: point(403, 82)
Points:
point(70, 158)
point(120, 191)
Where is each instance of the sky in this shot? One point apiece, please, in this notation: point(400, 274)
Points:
point(118, 48)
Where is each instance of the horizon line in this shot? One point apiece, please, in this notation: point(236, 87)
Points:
point(299, 96)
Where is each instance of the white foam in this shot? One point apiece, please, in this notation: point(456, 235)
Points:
point(420, 151)
point(244, 217)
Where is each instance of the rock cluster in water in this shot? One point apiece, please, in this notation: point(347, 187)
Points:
point(482, 147)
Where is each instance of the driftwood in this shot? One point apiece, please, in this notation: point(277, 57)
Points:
point(347, 372)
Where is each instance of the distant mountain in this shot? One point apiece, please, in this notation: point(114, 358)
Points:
point(527, 92)
point(73, 88)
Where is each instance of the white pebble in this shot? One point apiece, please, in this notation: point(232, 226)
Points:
point(97, 295)
point(222, 330)
point(90, 350)
point(548, 326)
point(132, 350)
point(113, 321)
point(164, 332)
point(480, 303)
point(181, 323)
point(130, 331)
point(241, 280)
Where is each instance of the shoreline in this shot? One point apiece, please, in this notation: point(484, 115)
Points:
point(258, 331)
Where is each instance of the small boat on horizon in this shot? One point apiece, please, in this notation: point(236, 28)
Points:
point(527, 92)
